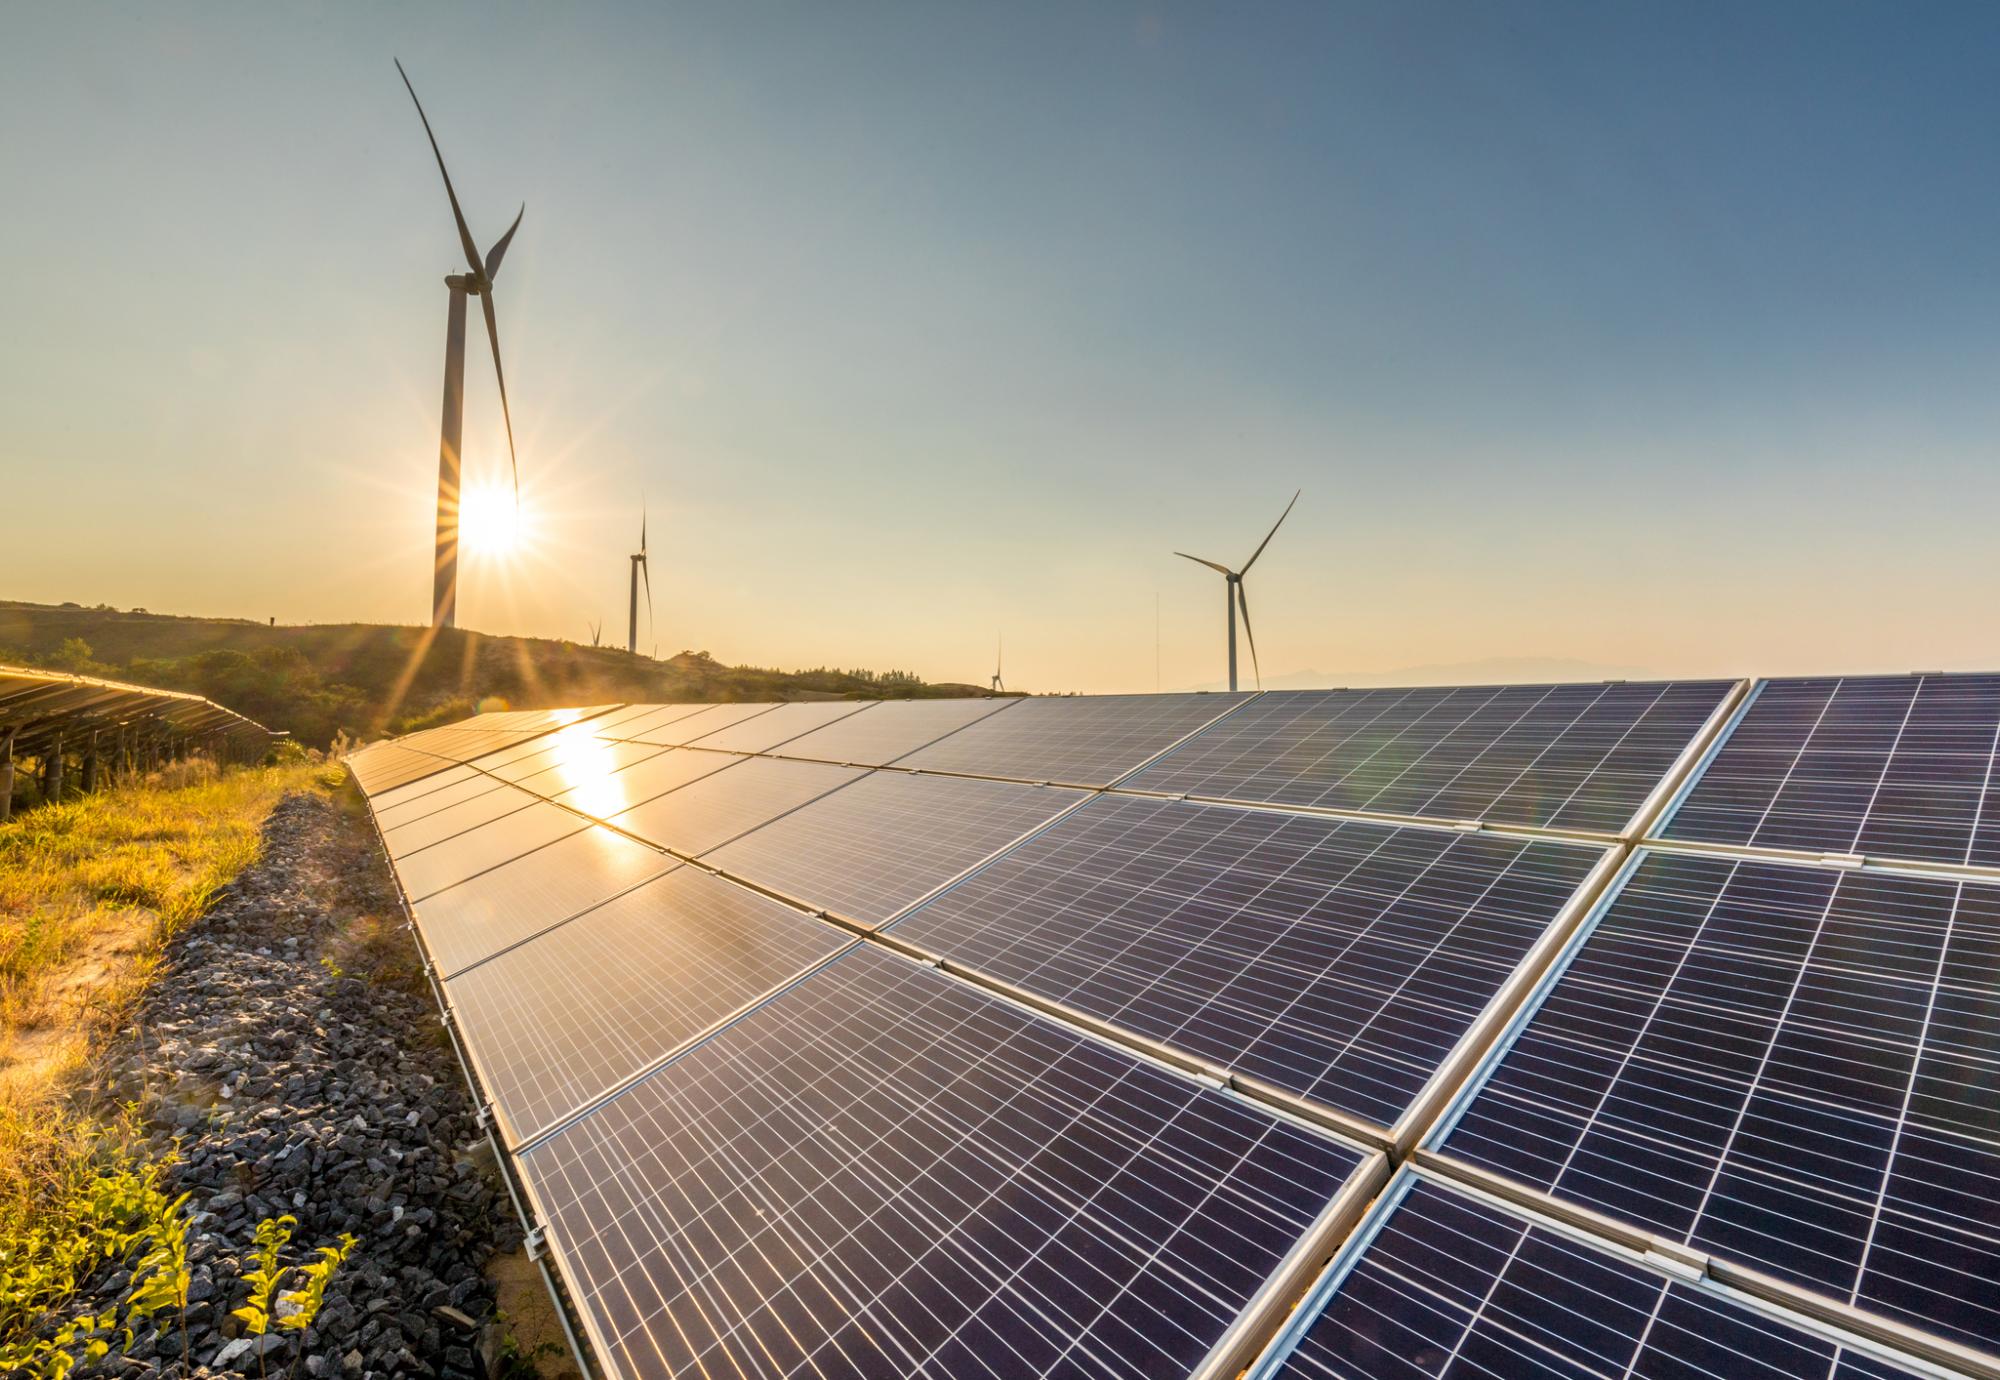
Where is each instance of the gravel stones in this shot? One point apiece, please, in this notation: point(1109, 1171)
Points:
point(291, 1087)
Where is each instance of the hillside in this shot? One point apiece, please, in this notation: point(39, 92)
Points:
point(366, 679)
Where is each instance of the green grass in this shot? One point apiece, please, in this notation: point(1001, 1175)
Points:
point(90, 892)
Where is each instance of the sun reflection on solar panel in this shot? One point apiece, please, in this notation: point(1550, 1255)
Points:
point(586, 766)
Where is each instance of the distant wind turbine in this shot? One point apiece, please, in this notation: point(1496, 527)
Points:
point(477, 283)
point(639, 568)
point(596, 633)
point(1234, 597)
point(999, 646)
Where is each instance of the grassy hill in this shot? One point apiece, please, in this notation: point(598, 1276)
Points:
point(366, 679)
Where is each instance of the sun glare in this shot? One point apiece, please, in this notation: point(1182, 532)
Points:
point(489, 523)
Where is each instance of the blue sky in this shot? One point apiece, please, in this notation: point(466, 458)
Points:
point(1657, 337)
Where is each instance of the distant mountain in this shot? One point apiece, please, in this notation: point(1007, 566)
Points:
point(367, 679)
point(1499, 670)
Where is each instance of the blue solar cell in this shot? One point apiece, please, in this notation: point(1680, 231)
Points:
point(1451, 1285)
point(1337, 959)
point(1887, 766)
point(883, 1172)
point(1796, 1067)
point(1558, 756)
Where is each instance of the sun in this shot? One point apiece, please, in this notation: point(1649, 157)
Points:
point(489, 522)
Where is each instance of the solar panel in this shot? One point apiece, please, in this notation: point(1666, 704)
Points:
point(723, 804)
point(892, 729)
point(382, 767)
point(647, 718)
point(1794, 1067)
point(1580, 757)
point(871, 849)
point(1075, 741)
point(609, 725)
point(688, 727)
point(541, 887)
point(1451, 1285)
point(883, 1172)
point(434, 828)
point(617, 790)
point(560, 1021)
point(765, 731)
point(1888, 766)
point(586, 763)
point(402, 799)
point(1336, 959)
point(452, 861)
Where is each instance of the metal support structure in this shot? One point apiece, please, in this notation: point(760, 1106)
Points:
point(7, 779)
point(444, 582)
point(52, 772)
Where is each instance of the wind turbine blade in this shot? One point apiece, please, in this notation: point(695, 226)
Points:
point(464, 235)
point(1218, 569)
point(1272, 533)
point(1243, 603)
point(642, 529)
point(500, 376)
point(499, 249)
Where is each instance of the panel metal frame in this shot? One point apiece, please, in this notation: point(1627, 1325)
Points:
point(1654, 836)
point(1430, 1153)
point(1618, 1242)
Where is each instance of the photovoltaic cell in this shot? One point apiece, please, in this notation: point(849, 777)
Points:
point(1453, 1286)
point(1886, 766)
point(892, 729)
point(452, 861)
point(765, 731)
point(719, 806)
point(404, 839)
point(871, 849)
point(1794, 1067)
point(883, 1172)
point(1077, 741)
point(564, 1018)
point(481, 916)
point(1557, 756)
point(1337, 959)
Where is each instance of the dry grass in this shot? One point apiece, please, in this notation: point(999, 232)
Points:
point(90, 892)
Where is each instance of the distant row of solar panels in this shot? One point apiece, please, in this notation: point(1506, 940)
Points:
point(646, 938)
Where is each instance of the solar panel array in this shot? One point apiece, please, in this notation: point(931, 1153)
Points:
point(1073, 1036)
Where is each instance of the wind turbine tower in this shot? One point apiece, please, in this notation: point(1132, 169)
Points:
point(999, 686)
point(1234, 597)
point(639, 569)
point(476, 283)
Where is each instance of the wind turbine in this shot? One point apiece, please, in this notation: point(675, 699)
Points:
point(639, 567)
point(477, 283)
point(1234, 597)
point(999, 687)
point(596, 633)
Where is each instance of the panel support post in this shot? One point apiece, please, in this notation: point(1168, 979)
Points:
point(90, 765)
point(52, 772)
point(7, 779)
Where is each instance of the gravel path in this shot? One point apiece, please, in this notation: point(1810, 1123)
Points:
point(294, 1087)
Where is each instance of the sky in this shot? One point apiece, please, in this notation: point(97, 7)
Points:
point(1634, 339)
